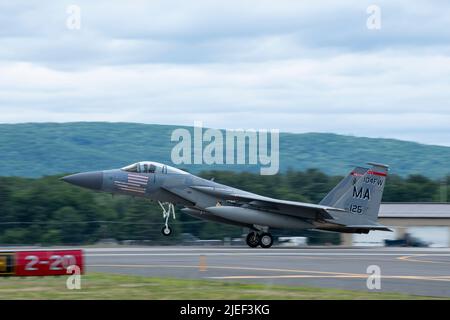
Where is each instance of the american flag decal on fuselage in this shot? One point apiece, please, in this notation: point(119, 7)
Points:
point(135, 183)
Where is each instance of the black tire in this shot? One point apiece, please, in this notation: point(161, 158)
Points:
point(166, 231)
point(265, 240)
point(252, 240)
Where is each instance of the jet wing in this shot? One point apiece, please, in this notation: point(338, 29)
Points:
point(297, 209)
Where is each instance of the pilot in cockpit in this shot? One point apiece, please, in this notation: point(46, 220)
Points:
point(141, 167)
point(151, 167)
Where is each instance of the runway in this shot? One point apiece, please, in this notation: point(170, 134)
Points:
point(412, 271)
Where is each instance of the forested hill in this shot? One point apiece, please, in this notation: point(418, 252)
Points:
point(33, 150)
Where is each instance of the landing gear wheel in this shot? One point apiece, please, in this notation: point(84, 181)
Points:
point(252, 240)
point(265, 240)
point(166, 231)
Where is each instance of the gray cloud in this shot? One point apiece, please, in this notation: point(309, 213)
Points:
point(293, 65)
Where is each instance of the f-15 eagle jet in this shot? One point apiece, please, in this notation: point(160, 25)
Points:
point(351, 207)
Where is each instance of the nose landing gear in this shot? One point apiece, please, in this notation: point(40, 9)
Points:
point(168, 208)
point(264, 239)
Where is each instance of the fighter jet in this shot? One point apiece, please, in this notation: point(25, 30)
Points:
point(351, 206)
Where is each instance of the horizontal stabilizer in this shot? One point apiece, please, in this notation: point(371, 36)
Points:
point(378, 227)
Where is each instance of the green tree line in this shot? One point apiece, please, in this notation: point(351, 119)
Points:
point(48, 211)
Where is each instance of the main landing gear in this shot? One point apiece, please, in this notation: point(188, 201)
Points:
point(168, 208)
point(264, 239)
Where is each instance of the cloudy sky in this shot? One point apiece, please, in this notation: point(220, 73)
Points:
point(297, 66)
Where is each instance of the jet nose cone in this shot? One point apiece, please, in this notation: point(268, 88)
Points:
point(91, 180)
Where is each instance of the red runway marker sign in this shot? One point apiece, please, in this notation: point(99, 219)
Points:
point(40, 263)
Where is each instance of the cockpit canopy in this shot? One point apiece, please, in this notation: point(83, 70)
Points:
point(151, 167)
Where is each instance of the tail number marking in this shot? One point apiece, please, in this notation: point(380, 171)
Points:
point(356, 209)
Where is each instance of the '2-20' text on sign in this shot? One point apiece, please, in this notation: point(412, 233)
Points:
point(41, 263)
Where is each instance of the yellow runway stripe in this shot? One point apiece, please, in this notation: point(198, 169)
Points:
point(411, 259)
point(308, 273)
point(362, 276)
point(222, 267)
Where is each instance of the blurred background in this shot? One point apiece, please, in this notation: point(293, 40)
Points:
point(46, 211)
